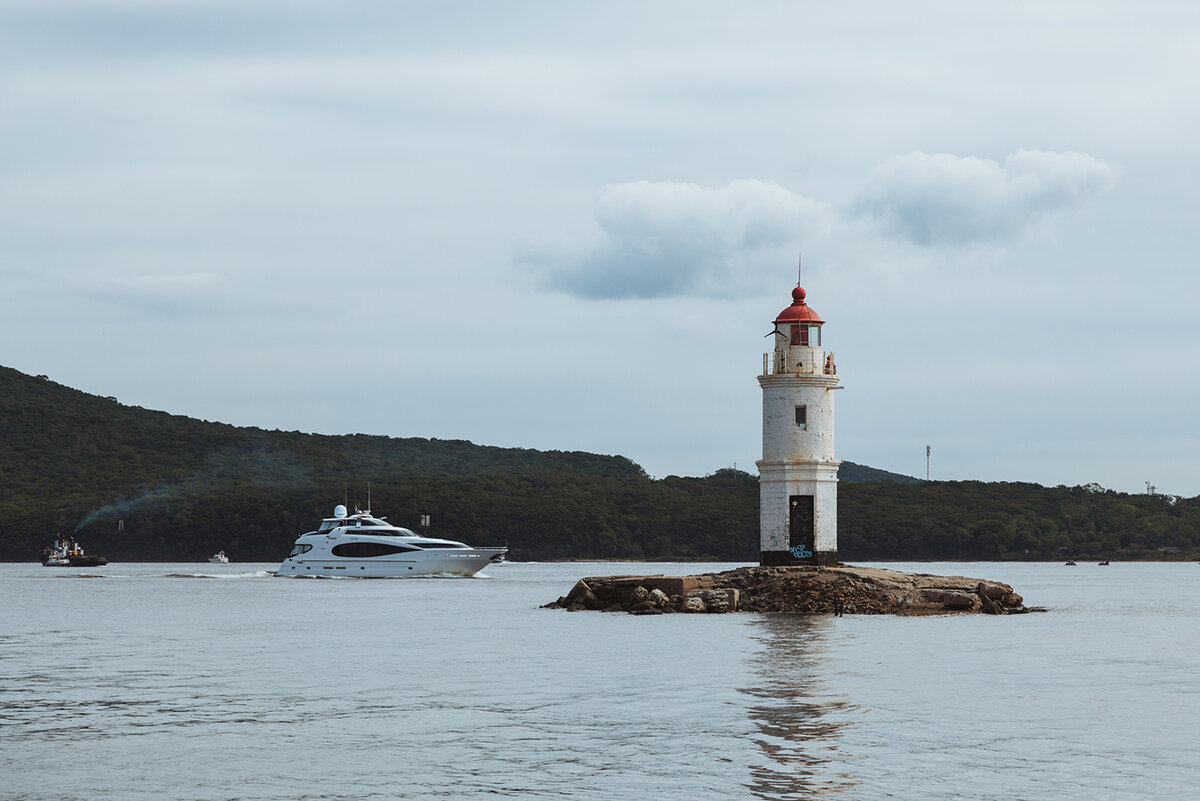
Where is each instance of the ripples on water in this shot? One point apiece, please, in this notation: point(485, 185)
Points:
point(220, 682)
point(797, 717)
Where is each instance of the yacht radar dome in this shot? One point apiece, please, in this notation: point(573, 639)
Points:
point(339, 511)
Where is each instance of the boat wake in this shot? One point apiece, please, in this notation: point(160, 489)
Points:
point(255, 574)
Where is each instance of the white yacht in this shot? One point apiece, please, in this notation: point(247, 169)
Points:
point(361, 546)
point(219, 558)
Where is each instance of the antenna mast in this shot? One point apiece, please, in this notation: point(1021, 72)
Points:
point(926, 462)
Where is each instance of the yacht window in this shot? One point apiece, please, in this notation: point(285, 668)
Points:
point(299, 549)
point(440, 544)
point(363, 549)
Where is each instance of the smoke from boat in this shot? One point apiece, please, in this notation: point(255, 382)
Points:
point(258, 465)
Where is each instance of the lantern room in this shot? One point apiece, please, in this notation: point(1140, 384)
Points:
point(798, 341)
point(799, 324)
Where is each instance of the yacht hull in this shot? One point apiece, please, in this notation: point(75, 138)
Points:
point(438, 564)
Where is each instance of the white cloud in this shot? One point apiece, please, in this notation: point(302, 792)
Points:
point(663, 239)
point(666, 239)
point(943, 199)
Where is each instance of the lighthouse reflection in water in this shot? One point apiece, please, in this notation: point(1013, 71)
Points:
point(798, 720)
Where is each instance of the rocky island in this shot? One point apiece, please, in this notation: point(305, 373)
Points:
point(798, 571)
point(802, 590)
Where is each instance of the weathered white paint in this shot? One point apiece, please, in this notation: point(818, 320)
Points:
point(798, 460)
point(777, 483)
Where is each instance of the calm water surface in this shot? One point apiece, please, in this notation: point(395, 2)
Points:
point(185, 681)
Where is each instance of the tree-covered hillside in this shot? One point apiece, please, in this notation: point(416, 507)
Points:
point(136, 484)
point(71, 459)
point(999, 520)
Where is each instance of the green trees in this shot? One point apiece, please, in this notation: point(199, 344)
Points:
point(135, 484)
point(976, 520)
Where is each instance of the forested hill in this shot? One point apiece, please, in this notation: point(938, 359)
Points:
point(145, 484)
point(136, 484)
point(67, 456)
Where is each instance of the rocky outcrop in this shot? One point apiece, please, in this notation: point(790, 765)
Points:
point(795, 590)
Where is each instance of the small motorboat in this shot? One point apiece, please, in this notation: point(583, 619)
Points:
point(219, 558)
point(361, 546)
point(66, 552)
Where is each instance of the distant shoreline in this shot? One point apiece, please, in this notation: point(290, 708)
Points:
point(1082, 560)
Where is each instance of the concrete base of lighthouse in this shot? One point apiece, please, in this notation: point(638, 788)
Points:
point(798, 513)
point(785, 559)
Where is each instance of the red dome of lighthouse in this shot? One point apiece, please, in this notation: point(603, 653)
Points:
point(799, 311)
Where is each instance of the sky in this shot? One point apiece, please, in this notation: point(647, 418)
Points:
point(568, 226)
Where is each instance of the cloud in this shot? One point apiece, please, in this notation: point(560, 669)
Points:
point(943, 199)
point(666, 239)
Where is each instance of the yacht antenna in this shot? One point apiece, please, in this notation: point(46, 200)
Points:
point(368, 497)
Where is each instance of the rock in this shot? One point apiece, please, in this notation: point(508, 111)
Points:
point(959, 600)
point(933, 596)
point(636, 596)
point(993, 591)
point(725, 600)
point(581, 595)
point(797, 590)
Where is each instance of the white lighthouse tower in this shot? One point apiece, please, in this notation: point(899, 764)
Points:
point(798, 474)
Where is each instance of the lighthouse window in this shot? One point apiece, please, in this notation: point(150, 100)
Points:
point(814, 336)
point(801, 417)
point(799, 335)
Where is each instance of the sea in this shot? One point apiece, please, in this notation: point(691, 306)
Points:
point(197, 681)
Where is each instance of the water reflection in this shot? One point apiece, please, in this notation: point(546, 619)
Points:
point(798, 720)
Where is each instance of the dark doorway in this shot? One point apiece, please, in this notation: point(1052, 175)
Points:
point(801, 536)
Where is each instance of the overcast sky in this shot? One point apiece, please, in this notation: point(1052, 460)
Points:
point(569, 225)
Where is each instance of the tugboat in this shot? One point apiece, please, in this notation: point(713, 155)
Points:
point(66, 552)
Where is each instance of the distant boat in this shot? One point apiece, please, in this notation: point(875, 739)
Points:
point(1102, 564)
point(1070, 564)
point(66, 552)
point(219, 558)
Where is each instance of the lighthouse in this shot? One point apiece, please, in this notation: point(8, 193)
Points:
point(798, 472)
